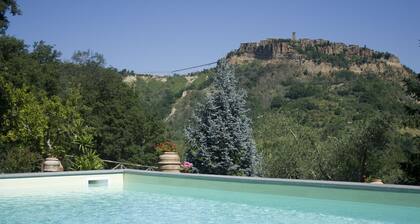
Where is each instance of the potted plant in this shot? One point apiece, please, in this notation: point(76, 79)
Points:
point(169, 161)
point(52, 163)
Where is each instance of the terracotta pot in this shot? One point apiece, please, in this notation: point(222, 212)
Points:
point(52, 164)
point(170, 162)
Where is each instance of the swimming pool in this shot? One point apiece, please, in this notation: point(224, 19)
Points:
point(130, 196)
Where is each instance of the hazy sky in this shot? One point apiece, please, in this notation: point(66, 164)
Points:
point(148, 36)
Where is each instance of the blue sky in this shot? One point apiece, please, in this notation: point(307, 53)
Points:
point(153, 36)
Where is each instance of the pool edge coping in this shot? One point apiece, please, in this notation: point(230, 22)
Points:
point(239, 179)
point(59, 174)
point(282, 181)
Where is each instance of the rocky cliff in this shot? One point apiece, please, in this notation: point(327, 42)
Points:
point(320, 56)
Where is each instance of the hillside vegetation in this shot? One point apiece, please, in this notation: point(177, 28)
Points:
point(337, 125)
point(312, 118)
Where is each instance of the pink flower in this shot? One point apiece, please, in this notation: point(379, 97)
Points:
point(187, 165)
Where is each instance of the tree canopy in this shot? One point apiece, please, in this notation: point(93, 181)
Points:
point(7, 6)
point(46, 105)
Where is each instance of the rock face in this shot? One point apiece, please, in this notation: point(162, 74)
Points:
point(320, 56)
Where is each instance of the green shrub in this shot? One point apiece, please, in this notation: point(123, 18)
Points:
point(88, 161)
point(299, 90)
point(20, 160)
point(344, 75)
point(277, 102)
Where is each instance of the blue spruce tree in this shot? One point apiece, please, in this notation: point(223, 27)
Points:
point(219, 136)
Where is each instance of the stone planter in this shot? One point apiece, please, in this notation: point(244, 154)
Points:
point(169, 162)
point(52, 164)
point(376, 181)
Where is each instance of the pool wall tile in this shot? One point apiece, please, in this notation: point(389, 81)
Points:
point(58, 182)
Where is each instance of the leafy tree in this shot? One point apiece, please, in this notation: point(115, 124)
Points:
point(45, 125)
point(374, 138)
point(411, 166)
point(219, 137)
point(21, 67)
point(413, 86)
point(23, 120)
point(293, 150)
point(45, 53)
point(124, 130)
point(64, 124)
point(88, 58)
point(17, 160)
point(10, 47)
point(7, 6)
point(298, 90)
point(375, 150)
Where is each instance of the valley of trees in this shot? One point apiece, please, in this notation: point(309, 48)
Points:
point(343, 126)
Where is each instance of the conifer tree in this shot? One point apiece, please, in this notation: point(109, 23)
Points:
point(219, 136)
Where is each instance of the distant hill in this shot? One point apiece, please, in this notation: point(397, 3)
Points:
point(300, 59)
point(323, 92)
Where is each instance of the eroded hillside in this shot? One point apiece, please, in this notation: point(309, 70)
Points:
point(320, 56)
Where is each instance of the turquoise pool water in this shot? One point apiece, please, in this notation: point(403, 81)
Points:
point(150, 199)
